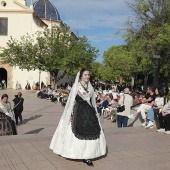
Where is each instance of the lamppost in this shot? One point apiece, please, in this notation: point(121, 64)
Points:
point(133, 74)
point(155, 61)
point(39, 79)
point(52, 51)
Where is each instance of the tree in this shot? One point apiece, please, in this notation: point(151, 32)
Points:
point(50, 50)
point(118, 63)
point(96, 70)
point(148, 33)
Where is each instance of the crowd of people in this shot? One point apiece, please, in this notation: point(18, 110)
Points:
point(58, 96)
point(109, 98)
point(84, 105)
point(114, 103)
point(151, 104)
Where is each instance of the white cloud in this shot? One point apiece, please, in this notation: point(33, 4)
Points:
point(103, 37)
point(98, 21)
point(93, 13)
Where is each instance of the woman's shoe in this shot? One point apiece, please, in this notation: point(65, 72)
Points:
point(150, 125)
point(88, 162)
point(161, 130)
point(113, 121)
point(167, 132)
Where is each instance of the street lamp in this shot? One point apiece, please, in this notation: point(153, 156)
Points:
point(39, 79)
point(133, 74)
point(156, 61)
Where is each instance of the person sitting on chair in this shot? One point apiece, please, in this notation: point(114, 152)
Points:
point(104, 103)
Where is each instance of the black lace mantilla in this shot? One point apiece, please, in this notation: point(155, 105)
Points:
point(7, 125)
point(85, 125)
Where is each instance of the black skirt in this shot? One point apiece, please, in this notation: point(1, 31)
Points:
point(85, 124)
point(7, 125)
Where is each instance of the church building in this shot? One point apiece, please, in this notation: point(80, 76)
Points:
point(18, 19)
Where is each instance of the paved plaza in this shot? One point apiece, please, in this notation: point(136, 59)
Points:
point(132, 148)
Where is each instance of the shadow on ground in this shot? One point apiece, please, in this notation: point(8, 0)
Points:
point(36, 131)
point(32, 118)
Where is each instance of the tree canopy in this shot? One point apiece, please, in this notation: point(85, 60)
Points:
point(118, 62)
point(148, 33)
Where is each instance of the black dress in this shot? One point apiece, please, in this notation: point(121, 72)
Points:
point(18, 108)
point(7, 125)
point(85, 124)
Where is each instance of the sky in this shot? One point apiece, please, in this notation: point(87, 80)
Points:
point(98, 20)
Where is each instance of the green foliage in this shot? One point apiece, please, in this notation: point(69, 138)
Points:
point(118, 62)
point(168, 96)
point(149, 34)
point(96, 70)
point(50, 50)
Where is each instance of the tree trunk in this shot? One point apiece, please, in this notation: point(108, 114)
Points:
point(145, 81)
point(121, 80)
point(53, 77)
point(167, 80)
point(132, 82)
point(59, 78)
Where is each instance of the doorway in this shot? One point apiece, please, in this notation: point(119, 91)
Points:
point(3, 77)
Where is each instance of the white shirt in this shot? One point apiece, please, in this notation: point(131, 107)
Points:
point(159, 101)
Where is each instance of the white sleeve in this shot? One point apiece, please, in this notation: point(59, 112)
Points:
point(10, 115)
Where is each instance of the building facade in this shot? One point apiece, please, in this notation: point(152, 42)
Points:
point(16, 20)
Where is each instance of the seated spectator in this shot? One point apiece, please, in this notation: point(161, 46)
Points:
point(99, 96)
point(99, 100)
point(166, 116)
point(147, 103)
point(137, 100)
point(113, 112)
point(63, 97)
point(54, 96)
point(120, 88)
point(109, 106)
point(103, 104)
point(68, 87)
point(49, 92)
point(42, 93)
point(138, 97)
point(155, 110)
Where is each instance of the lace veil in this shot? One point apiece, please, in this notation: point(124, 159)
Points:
point(69, 106)
point(66, 117)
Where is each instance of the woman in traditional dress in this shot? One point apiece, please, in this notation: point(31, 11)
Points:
point(79, 134)
point(7, 120)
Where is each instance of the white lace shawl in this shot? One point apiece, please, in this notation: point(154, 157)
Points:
point(7, 109)
point(70, 104)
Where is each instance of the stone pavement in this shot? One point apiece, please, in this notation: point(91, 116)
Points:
point(132, 148)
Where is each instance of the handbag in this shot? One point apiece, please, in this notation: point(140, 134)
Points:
point(121, 108)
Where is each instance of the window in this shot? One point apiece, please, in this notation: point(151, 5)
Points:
point(3, 3)
point(3, 26)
